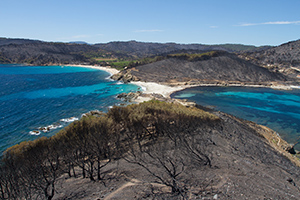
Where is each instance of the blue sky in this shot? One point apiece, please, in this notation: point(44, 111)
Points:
point(255, 22)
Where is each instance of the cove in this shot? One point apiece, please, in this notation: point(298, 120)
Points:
point(276, 109)
point(37, 101)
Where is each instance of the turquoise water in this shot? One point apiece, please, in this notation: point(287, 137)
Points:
point(276, 109)
point(33, 97)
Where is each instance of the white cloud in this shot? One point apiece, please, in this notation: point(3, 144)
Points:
point(283, 22)
point(247, 24)
point(213, 27)
point(144, 31)
point(270, 23)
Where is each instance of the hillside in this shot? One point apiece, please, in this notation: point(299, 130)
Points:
point(225, 67)
point(146, 49)
point(41, 53)
point(214, 67)
point(284, 58)
point(153, 150)
point(7, 41)
point(36, 52)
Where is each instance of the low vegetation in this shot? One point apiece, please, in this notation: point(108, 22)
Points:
point(120, 65)
point(136, 133)
point(182, 56)
point(196, 57)
point(105, 58)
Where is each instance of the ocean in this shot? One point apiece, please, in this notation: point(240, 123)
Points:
point(38, 101)
point(276, 109)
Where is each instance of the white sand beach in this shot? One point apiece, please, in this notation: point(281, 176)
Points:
point(152, 87)
point(110, 70)
point(148, 87)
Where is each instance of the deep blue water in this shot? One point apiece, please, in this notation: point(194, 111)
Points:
point(276, 109)
point(38, 96)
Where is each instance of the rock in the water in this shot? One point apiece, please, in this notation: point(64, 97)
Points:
point(129, 96)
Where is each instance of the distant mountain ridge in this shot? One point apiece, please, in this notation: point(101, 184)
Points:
point(8, 41)
point(146, 49)
point(78, 42)
point(38, 52)
point(284, 58)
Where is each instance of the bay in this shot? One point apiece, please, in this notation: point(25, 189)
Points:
point(276, 109)
point(48, 96)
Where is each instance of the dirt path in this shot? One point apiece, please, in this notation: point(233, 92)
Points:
point(120, 189)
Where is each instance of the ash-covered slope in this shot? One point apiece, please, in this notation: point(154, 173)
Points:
point(39, 53)
point(220, 67)
point(181, 157)
point(153, 150)
point(285, 54)
point(284, 58)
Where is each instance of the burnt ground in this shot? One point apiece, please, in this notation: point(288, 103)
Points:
point(227, 67)
point(247, 161)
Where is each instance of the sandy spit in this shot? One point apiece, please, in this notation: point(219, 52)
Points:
point(152, 87)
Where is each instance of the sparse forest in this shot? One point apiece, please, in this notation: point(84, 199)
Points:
point(169, 152)
point(155, 135)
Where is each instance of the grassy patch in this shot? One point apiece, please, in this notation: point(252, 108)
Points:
point(121, 64)
point(105, 59)
point(195, 57)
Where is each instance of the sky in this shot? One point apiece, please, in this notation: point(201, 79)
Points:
point(255, 22)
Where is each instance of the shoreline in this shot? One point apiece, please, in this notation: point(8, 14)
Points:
point(150, 88)
point(110, 70)
point(166, 90)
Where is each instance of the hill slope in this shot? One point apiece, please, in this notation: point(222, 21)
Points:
point(153, 150)
point(219, 67)
point(39, 53)
point(7, 41)
point(284, 58)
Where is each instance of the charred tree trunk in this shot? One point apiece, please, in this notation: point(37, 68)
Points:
point(98, 170)
point(91, 171)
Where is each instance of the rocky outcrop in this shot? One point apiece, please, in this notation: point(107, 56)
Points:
point(125, 76)
point(129, 97)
